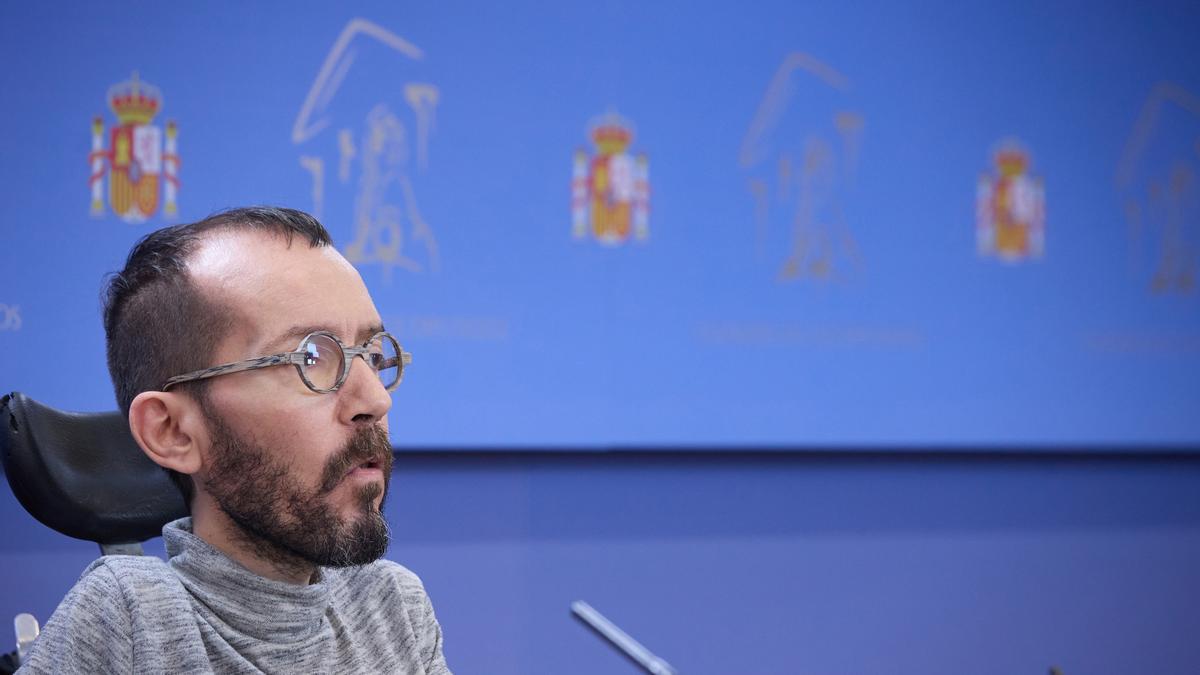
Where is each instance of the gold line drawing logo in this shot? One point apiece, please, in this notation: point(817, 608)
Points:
point(10, 317)
point(136, 157)
point(610, 192)
point(1010, 207)
point(1157, 180)
point(800, 154)
point(389, 229)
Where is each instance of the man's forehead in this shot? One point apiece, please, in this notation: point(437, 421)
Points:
point(273, 288)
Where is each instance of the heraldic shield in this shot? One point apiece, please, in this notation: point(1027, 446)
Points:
point(136, 162)
point(136, 155)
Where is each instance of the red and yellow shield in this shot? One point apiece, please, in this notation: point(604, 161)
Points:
point(136, 163)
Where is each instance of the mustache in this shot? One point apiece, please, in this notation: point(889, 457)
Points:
point(369, 444)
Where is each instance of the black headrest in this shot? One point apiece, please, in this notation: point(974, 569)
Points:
point(83, 474)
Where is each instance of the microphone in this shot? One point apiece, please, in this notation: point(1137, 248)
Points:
point(621, 640)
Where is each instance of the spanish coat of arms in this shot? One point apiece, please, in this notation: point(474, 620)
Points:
point(1010, 214)
point(610, 193)
point(137, 159)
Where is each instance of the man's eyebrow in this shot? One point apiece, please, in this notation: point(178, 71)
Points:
point(368, 333)
point(298, 332)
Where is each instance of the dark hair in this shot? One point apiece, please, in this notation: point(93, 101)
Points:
point(158, 324)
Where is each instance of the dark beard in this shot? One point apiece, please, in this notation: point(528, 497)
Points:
point(285, 523)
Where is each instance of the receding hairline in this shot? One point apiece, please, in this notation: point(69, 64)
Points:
point(205, 239)
point(216, 296)
point(230, 249)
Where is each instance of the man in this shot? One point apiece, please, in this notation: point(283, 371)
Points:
point(254, 367)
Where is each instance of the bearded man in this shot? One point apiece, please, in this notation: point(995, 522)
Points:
point(254, 367)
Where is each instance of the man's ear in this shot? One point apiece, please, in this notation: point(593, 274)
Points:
point(170, 428)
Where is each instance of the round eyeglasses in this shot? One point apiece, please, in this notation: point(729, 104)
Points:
point(322, 361)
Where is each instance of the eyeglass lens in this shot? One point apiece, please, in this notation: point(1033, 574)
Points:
point(388, 362)
point(324, 360)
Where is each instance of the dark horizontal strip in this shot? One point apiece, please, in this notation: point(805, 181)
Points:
point(538, 494)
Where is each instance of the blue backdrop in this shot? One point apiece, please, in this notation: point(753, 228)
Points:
point(654, 224)
point(832, 255)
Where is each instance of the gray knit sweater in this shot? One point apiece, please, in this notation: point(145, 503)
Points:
point(200, 612)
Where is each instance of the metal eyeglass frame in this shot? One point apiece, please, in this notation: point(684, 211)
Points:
point(297, 358)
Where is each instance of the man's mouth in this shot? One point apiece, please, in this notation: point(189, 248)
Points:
point(367, 457)
point(368, 466)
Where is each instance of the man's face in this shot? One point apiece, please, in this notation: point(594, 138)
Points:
point(306, 472)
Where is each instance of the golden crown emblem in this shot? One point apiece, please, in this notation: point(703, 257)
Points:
point(1011, 159)
point(611, 133)
point(134, 102)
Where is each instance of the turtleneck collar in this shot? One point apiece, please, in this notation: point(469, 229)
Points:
point(260, 608)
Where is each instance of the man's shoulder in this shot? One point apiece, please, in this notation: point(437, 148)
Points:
point(114, 574)
point(130, 565)
point(393, 571)
point(382, 587)
point(386, 593)
point(145, 584)
point(97, 620)
point(379, 575)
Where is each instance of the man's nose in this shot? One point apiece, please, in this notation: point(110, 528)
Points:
point(364, 398)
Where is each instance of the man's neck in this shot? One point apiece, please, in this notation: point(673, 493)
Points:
point(248, 550)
